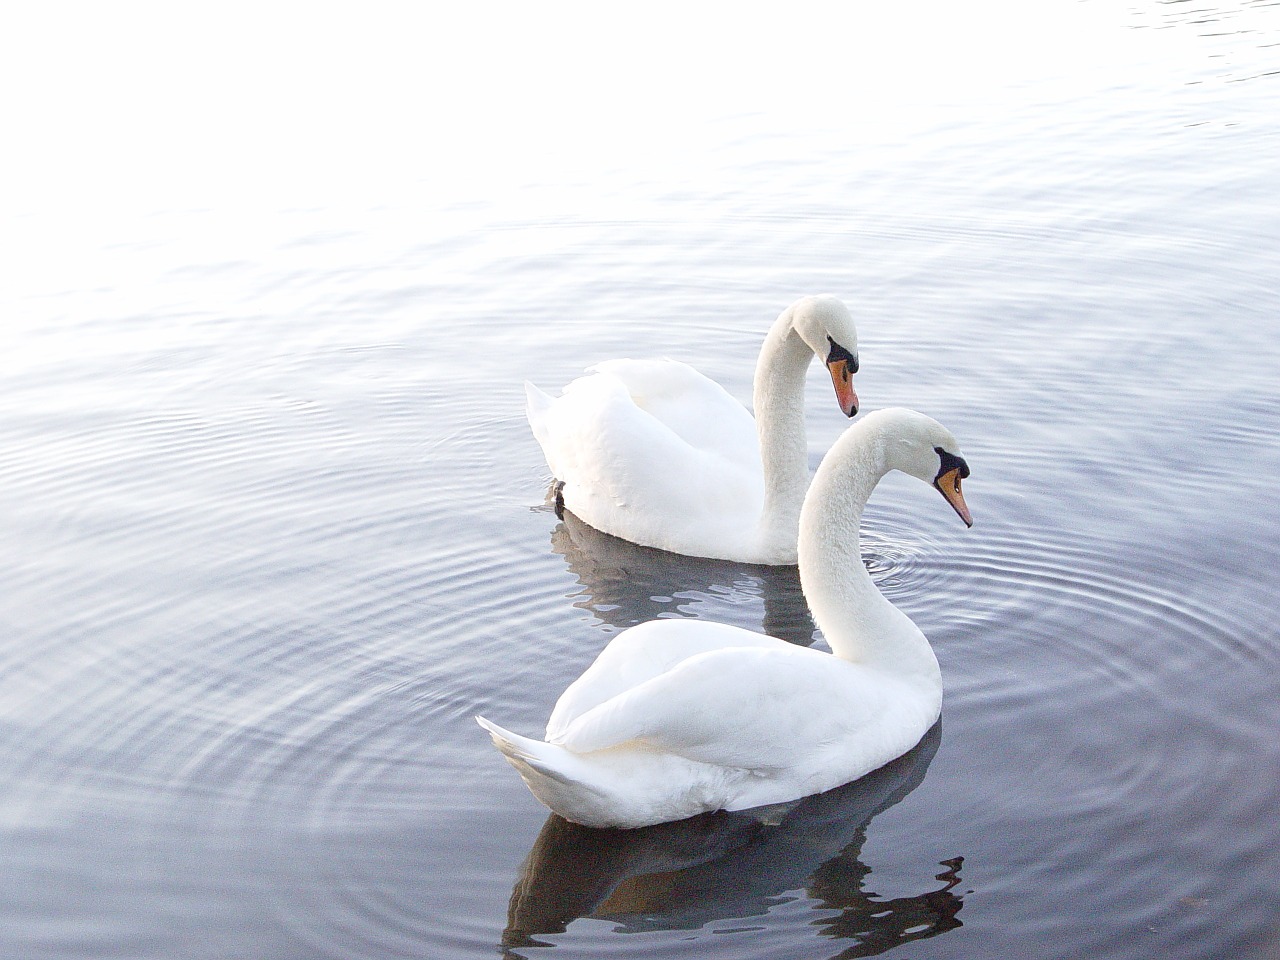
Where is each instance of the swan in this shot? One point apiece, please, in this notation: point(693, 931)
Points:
point(680, 717)
point(654, 452)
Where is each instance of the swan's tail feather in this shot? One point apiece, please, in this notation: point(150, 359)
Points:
point(537, 405)
point(524, 753)
point(553, 774)
point(535, 401)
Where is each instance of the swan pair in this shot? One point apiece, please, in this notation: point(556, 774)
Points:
point(680, 717)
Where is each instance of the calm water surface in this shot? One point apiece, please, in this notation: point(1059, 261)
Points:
point(276, 528)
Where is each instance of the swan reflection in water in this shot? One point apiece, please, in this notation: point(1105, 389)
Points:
point(626, 584)
point(729, 866)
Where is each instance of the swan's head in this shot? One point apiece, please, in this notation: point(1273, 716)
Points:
point(826, 326)
point(924, 448)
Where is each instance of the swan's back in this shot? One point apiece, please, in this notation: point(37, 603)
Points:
point(641, 653)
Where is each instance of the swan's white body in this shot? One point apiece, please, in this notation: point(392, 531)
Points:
point(654, 452)
point(679, 717)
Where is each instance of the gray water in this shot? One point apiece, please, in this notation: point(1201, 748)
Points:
point(276, 528)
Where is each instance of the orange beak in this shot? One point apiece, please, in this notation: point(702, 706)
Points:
point(949, 485)
point(842, 380)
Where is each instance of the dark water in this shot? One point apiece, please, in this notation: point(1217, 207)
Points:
point(275, 527)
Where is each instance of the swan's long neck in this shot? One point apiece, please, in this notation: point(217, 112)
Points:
point(858, 622)
point(778, 398)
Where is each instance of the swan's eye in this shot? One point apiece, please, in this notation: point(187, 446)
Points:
point(839, 353)
point(948, 461)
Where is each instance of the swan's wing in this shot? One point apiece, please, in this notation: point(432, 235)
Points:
point(639, 476)
point(757, 708)
point(641, 653)
point(693, 407)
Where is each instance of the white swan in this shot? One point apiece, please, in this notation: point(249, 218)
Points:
point(654, 452)
point(679, 717)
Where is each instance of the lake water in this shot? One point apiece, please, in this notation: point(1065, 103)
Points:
point(276, 528)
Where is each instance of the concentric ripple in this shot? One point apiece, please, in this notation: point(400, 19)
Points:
point(274, 528)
